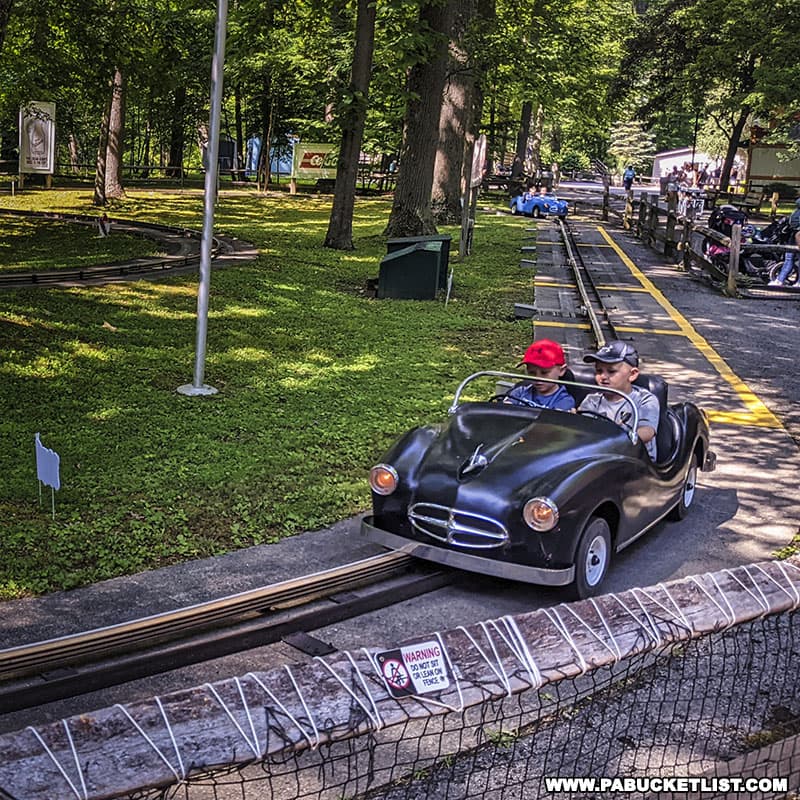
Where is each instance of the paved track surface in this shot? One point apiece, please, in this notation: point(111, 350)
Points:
point(745, 510)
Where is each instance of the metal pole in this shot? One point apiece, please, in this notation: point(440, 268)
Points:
point(197, 387)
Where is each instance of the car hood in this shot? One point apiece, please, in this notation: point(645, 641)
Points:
point(497, 451)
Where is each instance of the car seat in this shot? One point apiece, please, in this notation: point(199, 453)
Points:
point(669, 429)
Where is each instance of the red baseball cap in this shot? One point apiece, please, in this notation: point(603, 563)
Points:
point(544, 353)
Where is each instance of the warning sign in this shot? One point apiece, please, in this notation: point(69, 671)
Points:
point(414, 669)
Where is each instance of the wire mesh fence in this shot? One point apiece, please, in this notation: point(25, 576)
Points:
point(687, 689)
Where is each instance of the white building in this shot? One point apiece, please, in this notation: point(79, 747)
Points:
point(664, 162)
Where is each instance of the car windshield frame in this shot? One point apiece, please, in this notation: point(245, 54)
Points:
point(632, 431)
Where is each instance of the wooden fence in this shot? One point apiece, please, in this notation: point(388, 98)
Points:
point(676, 228)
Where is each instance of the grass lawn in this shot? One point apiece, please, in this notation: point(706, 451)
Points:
point(315, 380)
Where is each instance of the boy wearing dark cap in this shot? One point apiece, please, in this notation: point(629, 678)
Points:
point(543, 359)
point(616, 366)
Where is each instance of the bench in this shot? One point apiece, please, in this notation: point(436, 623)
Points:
point(749, 201)
point(503, 182)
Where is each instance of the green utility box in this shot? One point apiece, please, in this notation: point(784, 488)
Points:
point(411, 273)
point(438, 244)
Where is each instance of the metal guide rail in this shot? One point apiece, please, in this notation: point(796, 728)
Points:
point(67, 666)
point(601, 327)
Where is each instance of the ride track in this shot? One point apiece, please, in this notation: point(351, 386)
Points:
point(182, 246)
point(68, 666)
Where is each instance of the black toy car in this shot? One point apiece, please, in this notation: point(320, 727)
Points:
point(533, 494)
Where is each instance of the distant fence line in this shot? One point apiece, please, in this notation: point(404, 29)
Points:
point(673, 228)
point(694, 678)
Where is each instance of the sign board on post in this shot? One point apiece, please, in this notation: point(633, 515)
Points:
point(314, 161)
point(471, 196)
point(37, 137)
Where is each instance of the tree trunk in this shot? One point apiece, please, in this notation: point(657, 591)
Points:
point(536, 144)
point(99, 198)
point(116, 138)
point(340, 226)
point(733, 146)
point(264, 165)
point(447, 191)
point(411, 211)
point(72, 143)
point(175, 165)
point(240, 145)
point(522, 139)
point(454, 121)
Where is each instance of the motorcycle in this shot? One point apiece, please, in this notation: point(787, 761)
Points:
point(762, 265)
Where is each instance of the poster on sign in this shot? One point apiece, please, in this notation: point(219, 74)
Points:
point(414, 669)
point(37, 137)
point(313, 161)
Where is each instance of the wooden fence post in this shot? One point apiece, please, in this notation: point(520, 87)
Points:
point(653, 219)
point(628, 216)
point(733, 263)
point(642, 216)
point(686, 237)
point(670, 245)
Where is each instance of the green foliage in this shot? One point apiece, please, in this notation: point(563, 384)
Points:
point(572, 160)
point(712, 61)
point(315, 380)
point(631, 144)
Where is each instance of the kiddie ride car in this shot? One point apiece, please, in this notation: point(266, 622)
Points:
point(538, 205)
point(532, 494)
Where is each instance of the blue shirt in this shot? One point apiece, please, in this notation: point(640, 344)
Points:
point(560, 399)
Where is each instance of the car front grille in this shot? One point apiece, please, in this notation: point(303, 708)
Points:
point(458, 528)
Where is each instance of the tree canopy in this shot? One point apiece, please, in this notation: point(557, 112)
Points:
point(555, 75)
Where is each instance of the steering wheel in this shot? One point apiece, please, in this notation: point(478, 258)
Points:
point(501, 398)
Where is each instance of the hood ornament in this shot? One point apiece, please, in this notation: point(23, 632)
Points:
point(477, 461)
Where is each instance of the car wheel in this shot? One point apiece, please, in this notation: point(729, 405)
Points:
point(687, 491)
point(514, 209)
point(536, 212)
point(592, 559)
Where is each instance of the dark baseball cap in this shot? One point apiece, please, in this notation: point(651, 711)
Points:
point(615, 352)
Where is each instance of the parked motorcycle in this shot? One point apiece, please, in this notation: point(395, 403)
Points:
point(761, 265)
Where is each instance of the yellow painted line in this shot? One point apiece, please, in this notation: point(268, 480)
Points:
point(584, 326)
point(658, 331)
point(757, 413)
point(587, 244)
point(554, 285)
point(622, 289)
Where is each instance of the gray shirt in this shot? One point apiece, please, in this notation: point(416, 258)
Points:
point(620, 412)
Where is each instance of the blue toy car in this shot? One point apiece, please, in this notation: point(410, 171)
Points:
point(538, 205)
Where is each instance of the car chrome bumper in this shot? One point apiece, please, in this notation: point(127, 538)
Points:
point(471, 563)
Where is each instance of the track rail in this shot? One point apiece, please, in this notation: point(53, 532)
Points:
point(170, 236)
point(68, 666)
point(602, 328)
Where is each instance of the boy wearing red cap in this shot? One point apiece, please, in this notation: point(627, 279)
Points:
point(543, 359)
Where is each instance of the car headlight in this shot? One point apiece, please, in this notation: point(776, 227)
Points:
point(540, 513)
point(383, 479)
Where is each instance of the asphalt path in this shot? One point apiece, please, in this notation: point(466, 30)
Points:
point(744, 511)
